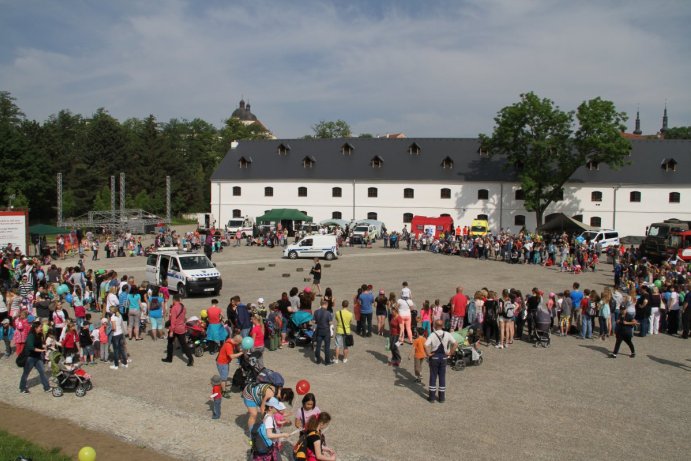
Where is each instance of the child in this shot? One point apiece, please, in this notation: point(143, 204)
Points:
point(216, 396)
point(425, 316)
point(405, 291)
point(103, 334)
point(419, 351)
point(394, 332)
point(6, 334)
point(85, 345)
point(78, 305)
point(95, 341)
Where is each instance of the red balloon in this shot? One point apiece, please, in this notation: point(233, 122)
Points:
point(302, 387)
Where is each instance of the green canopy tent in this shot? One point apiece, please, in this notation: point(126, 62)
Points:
point(283, 214)
point(47, 229)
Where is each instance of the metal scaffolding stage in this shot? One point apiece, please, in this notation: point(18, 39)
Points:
point(134, 220)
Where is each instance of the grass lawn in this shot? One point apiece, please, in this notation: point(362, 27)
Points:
point(12, 447)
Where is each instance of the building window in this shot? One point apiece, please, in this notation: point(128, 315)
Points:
point(347, 149)
point(372, 192)
point(336, 192)
point(447, 163)
point(592, 165)
point(237, 213)
point(283, 149)
point(245, 162)
point(595, 221)
point(674, 197)
point(336, 215)
point(414, 149)
point(482, 217)
point(483, 153)
point(302, 192)
point(483, 194)
point(372, 215)
point(578, 217)
point(376, 162)
point(635, 196)
point(268, 191)
point(596, 196)
point(408, 193)
point(519, 195)
point(519, 220)
point(445, 193)
point(237, 191)
point(407, 217)
point(669, 164)
point(308, 162)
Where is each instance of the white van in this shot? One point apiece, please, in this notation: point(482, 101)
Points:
point(373, 228)
point(606, 237)
point(186, 273)
point(313, 246)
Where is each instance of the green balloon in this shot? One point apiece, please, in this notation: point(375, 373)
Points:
point(658, 283)
point(87, 454)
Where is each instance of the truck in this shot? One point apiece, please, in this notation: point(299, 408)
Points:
point(680, 245)
point(657, 241)
point(479, 227)
point(244, 225)
point(431, 225)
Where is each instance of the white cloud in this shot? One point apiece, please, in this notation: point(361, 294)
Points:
point(444, 71)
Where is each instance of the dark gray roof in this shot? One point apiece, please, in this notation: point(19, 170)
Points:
point(399, 164)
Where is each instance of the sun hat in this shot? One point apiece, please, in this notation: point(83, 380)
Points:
point(273, 402)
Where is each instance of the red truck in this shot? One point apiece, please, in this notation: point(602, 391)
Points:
point(679, 243)
point(431, 226)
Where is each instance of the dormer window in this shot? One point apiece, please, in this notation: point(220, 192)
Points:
point(669, 164)
point(592, 165)
point(483, 153)
point(245, 162)
point(376, 162)
point(283, 149)
point(308, 162)
point(414, 149)
point(447, 163)
point(347, 149)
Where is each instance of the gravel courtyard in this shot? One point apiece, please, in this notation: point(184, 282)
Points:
point(566, 402)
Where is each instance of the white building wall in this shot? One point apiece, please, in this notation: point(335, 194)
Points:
point(501, 207)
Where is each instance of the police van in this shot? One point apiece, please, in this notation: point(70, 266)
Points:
point(186, 273)
point(313, 246)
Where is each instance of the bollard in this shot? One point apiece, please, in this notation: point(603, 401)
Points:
point(300, 269)
point(286, 275)
point(260, 268)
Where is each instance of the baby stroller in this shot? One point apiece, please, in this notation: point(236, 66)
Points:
point(300, 330)
point(541, 335)
point(196, 336)
point(68, 378)
point(247, 371)
point(466, 353)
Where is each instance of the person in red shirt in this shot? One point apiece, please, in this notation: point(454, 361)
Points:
point(216, 395)
point(177, 330)
point(226, 355)
point(394, 332)
point(459, 303)
point(215, 333)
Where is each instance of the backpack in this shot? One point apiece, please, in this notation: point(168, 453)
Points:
point(260, 445)
point(301, 451)
point(267, 376)
point(154, 305)
point(508, 310)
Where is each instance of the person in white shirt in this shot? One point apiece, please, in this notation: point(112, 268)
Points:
point(119, 354)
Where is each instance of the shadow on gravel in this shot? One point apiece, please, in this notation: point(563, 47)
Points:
point(600, 349)
point(379, 356)
point(241, 422)
point(406, 379)
point(671, 363)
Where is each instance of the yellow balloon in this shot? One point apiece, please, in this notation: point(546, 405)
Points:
point(87, 454)
point(204, 313)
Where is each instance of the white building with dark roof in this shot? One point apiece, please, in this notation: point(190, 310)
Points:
point(393, 179)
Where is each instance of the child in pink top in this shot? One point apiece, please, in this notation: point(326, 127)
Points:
point(425, 317)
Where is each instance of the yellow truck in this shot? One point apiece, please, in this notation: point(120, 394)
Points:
point(479, 227)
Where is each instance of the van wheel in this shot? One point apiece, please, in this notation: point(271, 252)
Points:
point(182, 290)
point(329, 256)
point(293, 255)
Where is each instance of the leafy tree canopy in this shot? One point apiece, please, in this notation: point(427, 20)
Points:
point(330, 130)
point(679, 132)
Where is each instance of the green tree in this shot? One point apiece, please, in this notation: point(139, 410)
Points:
point(678, 132)
point(102, 199)
point(330, 130)
point(540, 143)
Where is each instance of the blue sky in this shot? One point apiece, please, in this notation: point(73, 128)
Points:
point(427, 68)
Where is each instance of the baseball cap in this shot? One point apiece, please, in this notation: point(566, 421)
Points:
point(273, 402)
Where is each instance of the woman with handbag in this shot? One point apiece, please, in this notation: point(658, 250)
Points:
point(33, 358)
point(344, 337)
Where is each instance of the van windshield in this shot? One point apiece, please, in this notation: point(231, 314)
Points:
point(589, 235)
point(235, 223)
point(658, 231)
point(361, 229)
point(478, 229)
point(196, 262)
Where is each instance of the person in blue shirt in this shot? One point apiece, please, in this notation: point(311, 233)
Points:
point(576, 298)
point(366, 302)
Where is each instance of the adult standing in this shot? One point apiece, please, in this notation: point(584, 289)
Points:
point(439, 346)
point(459, 303)
point(117, 339)
point(343, 319)
point(404, 305)
point(134, 313)
point(257, 334)
point(366, 310)
point(316, 273)
point(625, 324)
point(323, 319)
point(156, 313)
point(215, 333)
point(34, 358)
point(177, 330)
point(532, 304)
point(381, 311)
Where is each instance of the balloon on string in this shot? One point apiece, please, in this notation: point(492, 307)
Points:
point(87, 454)
point(247, 343)
point(302, 387)
point(658, 283)
point(203, 313)
point(63, 289)
point(69, 298)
